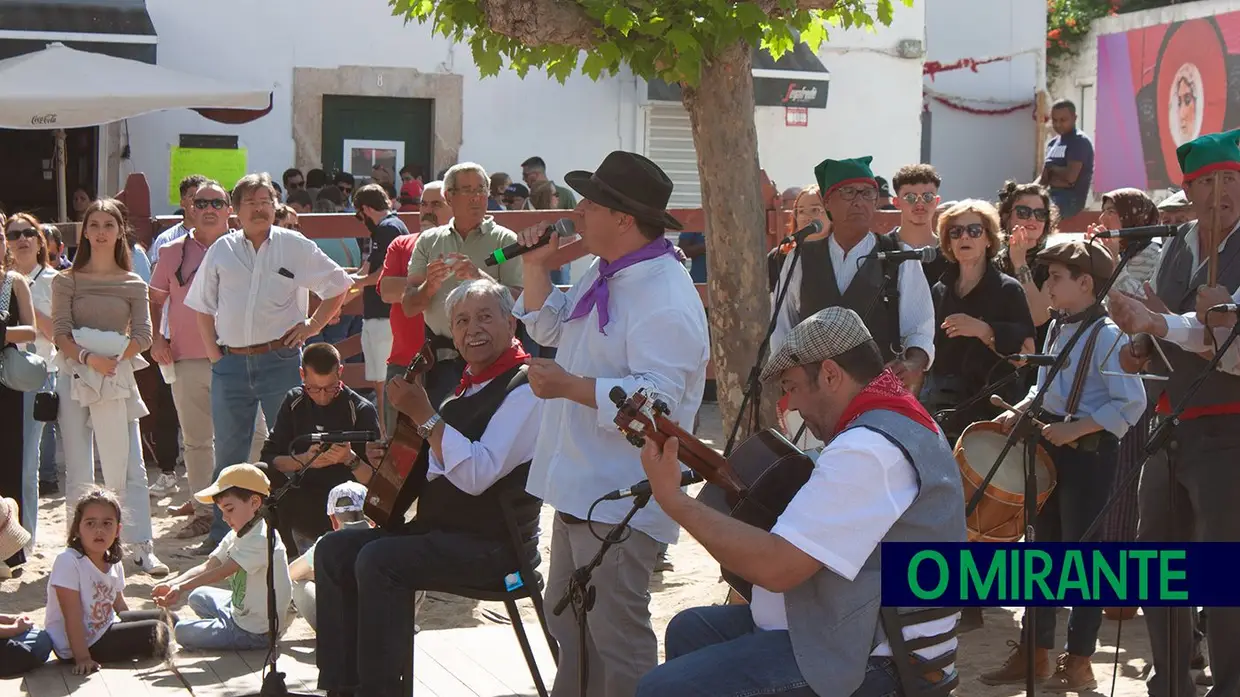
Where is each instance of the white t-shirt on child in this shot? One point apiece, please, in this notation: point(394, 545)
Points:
point(75, 571)
point(249, 585)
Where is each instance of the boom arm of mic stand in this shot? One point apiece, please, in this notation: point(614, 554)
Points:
point(1024, 419)
point(753, 387)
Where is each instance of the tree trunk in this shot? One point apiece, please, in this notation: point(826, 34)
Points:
point(721, 109)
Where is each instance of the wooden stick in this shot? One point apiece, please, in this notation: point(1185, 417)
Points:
point(1216, 233)
point(998, 402)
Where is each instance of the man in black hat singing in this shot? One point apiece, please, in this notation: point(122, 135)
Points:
point(633, 321)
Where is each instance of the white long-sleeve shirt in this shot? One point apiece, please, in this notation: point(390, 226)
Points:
point(656, 339)
point(916, 305)
point(509, 438)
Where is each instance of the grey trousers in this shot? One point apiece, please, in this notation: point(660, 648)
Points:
point(620, 642)
point(1188, 493)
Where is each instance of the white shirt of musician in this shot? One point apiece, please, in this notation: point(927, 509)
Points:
point(508, 441)
point(916, 304)
point(256, 296)
point(860, 486)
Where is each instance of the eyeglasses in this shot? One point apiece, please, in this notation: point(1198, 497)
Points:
point(472, 192)
point(975, 231)
point(1025, 213)
point(867, 193)
point(926, 197)
point(203, 204)
point(329, 391)
point(12, 235)
point(181, 280)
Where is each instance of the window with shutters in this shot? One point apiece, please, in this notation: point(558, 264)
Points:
point(669, 142)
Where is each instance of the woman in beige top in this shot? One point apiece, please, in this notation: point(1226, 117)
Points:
point(102, 323)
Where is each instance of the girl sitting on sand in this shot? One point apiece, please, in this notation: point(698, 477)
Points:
point(87, 616)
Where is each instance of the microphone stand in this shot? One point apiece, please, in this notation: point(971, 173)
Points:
point(1026, 428)
point(580, 593)
point(752, 392)
point(273, 680)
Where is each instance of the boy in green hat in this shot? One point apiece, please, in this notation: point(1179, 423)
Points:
point(1197, 467)
point(892, 297)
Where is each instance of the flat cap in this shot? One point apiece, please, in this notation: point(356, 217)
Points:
point(1174, 202)
point(823, 335)
point(1093, 259)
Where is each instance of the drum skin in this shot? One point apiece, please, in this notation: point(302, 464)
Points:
point(999, 516)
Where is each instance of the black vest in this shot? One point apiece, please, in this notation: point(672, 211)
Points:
point(443, 506)
point(820, 290)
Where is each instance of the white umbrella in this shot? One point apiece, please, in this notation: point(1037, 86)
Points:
point(60, 87)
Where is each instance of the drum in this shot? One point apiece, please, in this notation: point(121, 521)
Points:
point(999, 516)
point(790, 423)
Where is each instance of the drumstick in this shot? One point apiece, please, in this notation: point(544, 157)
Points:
point(998, 402)
point(1216, 233)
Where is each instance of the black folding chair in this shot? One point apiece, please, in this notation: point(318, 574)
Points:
point(920, 677)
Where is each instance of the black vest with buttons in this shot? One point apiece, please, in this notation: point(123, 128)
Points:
point(445, 507)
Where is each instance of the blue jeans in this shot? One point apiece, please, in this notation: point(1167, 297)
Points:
point(24, 652)
point(348, 326)
point(32, 434)
point(240, 385)
point(718, 652)
point(47, 443)
point(1068, 202)
point(364, 583)
point(216, 630)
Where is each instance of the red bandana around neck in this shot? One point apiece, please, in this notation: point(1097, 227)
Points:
point(515, 355)
point(886, 392)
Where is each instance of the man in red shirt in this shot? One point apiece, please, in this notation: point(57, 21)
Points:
point(408, 333)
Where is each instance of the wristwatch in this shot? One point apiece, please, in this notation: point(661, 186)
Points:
point(1024, 275)
point(424, 430)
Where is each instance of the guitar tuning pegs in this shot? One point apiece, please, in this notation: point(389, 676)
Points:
point(636, 440)
point(661, 407)
point(617, 395)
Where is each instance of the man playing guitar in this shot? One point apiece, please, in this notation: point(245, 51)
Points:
point(813, 624)
point(478, 451)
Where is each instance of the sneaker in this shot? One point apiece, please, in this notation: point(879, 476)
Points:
point(144, 557)
point(165, 485)
point(5, 572)
point(1012, 672)
point(663, 563)
point(48, 488)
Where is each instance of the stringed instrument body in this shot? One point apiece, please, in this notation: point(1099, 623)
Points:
point(754, 485)
point(398, 480)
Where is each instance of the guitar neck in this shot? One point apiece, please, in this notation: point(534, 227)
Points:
point(700, 457)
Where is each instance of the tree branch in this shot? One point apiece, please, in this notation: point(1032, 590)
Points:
point(772, 8)
point(541, 22)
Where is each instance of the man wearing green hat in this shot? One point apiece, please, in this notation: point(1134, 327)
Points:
point(1197, 469)
point(893, 298)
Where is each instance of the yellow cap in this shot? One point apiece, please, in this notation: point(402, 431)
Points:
point(242, 476)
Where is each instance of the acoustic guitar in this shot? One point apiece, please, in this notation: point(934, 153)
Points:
point(753, 485)
point(398, 480)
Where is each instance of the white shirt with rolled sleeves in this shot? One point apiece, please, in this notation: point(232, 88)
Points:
point(252, 301)
point(916, 304)
point(656, 338)
point(508, 441)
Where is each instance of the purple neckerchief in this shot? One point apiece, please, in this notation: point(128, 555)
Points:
point(596, 294)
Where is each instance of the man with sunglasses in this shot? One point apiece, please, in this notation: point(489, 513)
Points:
point(320, 404)
point(346, 183)
point(917, 198)
point(892, 298)
point(187, 188)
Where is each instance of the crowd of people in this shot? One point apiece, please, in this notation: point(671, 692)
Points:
point(886, 360)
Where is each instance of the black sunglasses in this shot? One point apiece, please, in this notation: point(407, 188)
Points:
point(203, 204)
point(12, 235)
point(1025, 213)
point(975, 231)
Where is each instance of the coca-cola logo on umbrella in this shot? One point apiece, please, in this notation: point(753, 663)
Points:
point(43, 120)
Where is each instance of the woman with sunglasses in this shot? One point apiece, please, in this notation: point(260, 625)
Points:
point(1028, 218)
point(26, 243)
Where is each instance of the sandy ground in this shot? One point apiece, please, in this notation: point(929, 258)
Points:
point(694, 581)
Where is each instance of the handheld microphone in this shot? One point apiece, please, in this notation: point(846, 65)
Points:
point(1137, 234)
point(343, 437)
point(563, 227)
point(642, 488)
point(924, 255)
point(1038, 359)
point(814, 227)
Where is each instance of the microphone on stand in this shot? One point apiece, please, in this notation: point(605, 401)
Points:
point(642, 488)
point(814, 227)
point(1038, 359)
point(1139, 234)
point(924, 255)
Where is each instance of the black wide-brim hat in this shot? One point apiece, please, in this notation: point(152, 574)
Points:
point(629, 183)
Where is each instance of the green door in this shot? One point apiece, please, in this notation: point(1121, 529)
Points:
point(359, 132)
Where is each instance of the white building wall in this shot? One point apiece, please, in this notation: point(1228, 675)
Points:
point(873, 106)
point(976, 153)
point(506, 119)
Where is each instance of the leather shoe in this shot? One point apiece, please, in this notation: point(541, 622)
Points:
point(184, 509)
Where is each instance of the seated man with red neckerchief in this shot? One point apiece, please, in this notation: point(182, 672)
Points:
point(478, 451)
point(886, 474)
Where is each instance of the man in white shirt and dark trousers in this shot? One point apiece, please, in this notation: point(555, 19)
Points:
point(250, 293)
point(634, 321)
point(813, 625)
